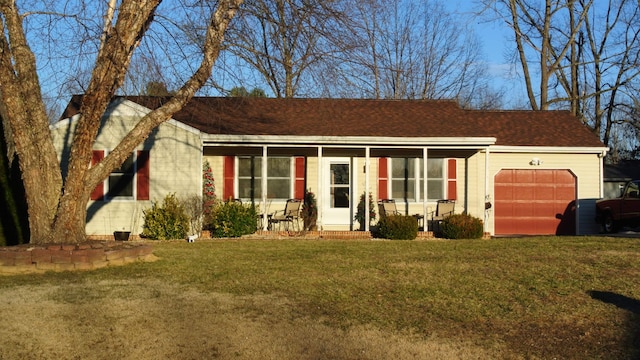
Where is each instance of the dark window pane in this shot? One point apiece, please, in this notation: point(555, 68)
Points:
point(436, 189)
point(121, 180)
point(434, 168)
point(120, 185)
point(245, 188)
point(278, 188)
point(339, 174)
point(279, 167)
point(249, 166)
point(340, 197)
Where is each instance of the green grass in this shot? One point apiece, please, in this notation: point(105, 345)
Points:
point(532, 295)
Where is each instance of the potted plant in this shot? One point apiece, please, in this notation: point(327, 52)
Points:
point(309, 211)
point(123, 235)
point(360, 212)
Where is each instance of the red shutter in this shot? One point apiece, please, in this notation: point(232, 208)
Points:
point(383, 178)
point(142, 175)
point(452, 172)
point(298, 188)
point(229, 171)
point(98, 192)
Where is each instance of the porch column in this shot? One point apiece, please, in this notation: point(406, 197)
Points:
point(487, 195)
point(425, 222)
point(366, 189)
point(263, 180)
point(320, 189)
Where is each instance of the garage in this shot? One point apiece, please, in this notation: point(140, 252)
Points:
point(534, 202)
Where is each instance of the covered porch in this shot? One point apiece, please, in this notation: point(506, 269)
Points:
point(414, 172)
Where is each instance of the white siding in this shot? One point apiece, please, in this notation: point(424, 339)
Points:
point(175, 167)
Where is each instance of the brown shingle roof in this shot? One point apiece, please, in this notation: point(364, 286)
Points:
point(389, 118)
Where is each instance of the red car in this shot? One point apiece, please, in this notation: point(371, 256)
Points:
point(612, 214)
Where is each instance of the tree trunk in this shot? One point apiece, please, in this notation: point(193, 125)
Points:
point(57, 214)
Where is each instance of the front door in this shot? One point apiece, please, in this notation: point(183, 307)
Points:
point(337, 194)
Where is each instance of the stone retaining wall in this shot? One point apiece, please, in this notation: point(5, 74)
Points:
point(85, 256)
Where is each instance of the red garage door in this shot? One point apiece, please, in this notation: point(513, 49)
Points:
point(535, 202)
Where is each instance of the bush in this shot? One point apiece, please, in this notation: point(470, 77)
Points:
point(168, 221)
point(398, 227)
point(360, 214)
point(233, 219)
point(462, 226)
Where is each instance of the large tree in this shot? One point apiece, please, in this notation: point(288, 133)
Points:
point(283, 41)
point(407, 49)
point(584, 56)
point(57, 205)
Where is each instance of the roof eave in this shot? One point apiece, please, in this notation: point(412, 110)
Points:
point(289, 140)
point(601, 150)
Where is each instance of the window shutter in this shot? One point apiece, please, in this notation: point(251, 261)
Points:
point(142, 175)
point(229, 170)
point(98, 192)
point(383, 178)
point(452, 172)
point(298, 189)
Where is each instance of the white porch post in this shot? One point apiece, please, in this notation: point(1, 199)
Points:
point(425, 187)
point(487, 195)
point(263, 181)
point(366, 189)
point(320, 189)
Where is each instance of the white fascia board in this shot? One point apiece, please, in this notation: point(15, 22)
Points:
point(289, 140)
point(549, 149)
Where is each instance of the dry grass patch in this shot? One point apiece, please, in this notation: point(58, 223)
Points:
point(135, 319)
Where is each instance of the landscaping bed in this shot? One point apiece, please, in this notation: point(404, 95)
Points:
point(59, 257)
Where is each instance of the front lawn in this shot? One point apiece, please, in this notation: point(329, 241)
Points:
point(547, 297)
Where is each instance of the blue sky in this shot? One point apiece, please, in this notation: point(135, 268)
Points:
point(494, 37)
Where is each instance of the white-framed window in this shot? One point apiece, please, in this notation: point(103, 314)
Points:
point(120, 182)
point(279, 177)
point(407, 182)
point(128, 182)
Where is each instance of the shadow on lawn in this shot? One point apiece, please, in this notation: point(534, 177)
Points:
point(629, 304)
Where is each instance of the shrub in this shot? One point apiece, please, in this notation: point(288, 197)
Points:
point(398, 227)
point(166, 221)
point(208, 193)
point(462, 226)
point(233, 219)
point(194, 208)
point(309, 210)
point(360, 213)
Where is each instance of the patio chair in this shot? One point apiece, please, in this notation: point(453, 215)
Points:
point(444, 208)
point(290, 215)
point(387, 207)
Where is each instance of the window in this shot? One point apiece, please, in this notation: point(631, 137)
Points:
point(120, 182)
point(435, 179)
point(250, 177)
point(407, 182)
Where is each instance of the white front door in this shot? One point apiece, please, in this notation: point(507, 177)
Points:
point(336, 209)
